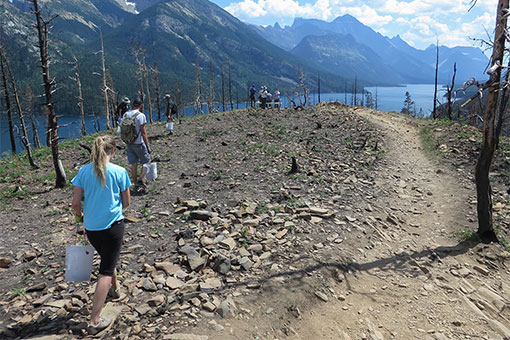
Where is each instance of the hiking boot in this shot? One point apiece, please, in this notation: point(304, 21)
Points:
point(141, 185)
point(101, 324)
point(114, 293)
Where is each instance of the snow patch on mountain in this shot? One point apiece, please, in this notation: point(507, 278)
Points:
point(128, 6)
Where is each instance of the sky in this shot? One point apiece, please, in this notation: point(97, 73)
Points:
point(418, 22)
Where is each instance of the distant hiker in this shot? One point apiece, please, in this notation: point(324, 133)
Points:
point(269, 98)
point(104, 188)
point(122, 108)
point(276, 98)
point(171, 110)
point(137, 143)
point(263, 97)
point(253, 90)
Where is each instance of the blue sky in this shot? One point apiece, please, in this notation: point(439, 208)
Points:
point(418, 22)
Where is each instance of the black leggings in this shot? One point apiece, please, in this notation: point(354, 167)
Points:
point(107, 243)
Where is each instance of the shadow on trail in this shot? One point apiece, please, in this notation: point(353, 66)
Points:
point(403, 262)
point(48, 325)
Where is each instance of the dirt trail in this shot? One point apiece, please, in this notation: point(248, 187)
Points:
point(418, 282)
point(414, 279)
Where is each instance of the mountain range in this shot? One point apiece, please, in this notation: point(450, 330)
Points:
point(348, 47)
point(178, 33)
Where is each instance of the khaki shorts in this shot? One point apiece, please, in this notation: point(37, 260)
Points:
point(137, 153)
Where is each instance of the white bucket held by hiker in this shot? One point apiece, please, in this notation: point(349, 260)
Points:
point(151, 170)
point(79, 263)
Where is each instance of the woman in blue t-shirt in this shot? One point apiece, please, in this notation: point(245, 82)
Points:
point(104, 188)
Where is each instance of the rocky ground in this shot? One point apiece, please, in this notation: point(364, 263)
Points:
point(371, 238)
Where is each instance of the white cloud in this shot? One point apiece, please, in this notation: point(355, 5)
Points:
point(367, 15)
point(490, 5)
point(247, 8)
point(417, 21)
point(284, 8)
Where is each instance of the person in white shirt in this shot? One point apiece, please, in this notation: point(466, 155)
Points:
point(139, 151)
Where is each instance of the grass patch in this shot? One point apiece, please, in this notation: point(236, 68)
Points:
point(428, 141)
point(468, 235)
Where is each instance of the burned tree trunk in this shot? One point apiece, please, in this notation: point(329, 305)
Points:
point(137, 51)
point(483, 165)
point(319, 87)
point(294, 167)
point(147, 75)
point(28, 104)
point(230, 89)
point(157, 89)
point(9, 108)
point(210, 97)
point(449, 92)
point(113, 99)
point(80, 95)
point(198, 90)
point(42, 32)
point(434, 113)
point(355, 90)
point(24, 137)
point(178, 99)
point(503, 105)
point(105, 86)
point(223, 90)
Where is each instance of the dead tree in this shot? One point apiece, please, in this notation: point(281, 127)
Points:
point(434, 112)
point(230, 89)
point(355, 89)
point(319, 87)
point(137, 50)
point(9, 107)
point(294, 167)
point(376, 99)
point(504, 96)
point(301, 86)
point(155, 83)
point(49, 84)
point(178, 99)
point(105, 86)
point(28, 104)
point(24, 137)
point(449, 92)
point(147, 88)
point(210, 97)
point(222, 90)
point(198, 90)
point(76, 78)
point(490, 138)
point(113, 99)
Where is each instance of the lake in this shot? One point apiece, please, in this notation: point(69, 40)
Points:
point(388, 98)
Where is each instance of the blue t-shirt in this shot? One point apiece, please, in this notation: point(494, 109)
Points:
point(102, 205)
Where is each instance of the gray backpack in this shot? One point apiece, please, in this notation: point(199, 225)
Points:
point(128, 132)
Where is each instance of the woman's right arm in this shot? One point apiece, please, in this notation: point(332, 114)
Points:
point(126, 198)
point(77, 195)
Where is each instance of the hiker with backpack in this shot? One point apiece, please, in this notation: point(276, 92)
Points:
point(122, 108)
point(134, 134)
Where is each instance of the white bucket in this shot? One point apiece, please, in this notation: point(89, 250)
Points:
point(170, 126)
point(79, 263)
point(151, 170)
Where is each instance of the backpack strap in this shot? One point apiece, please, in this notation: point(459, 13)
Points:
point(134, 122)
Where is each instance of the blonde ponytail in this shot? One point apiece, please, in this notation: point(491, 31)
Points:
point(102, 148)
